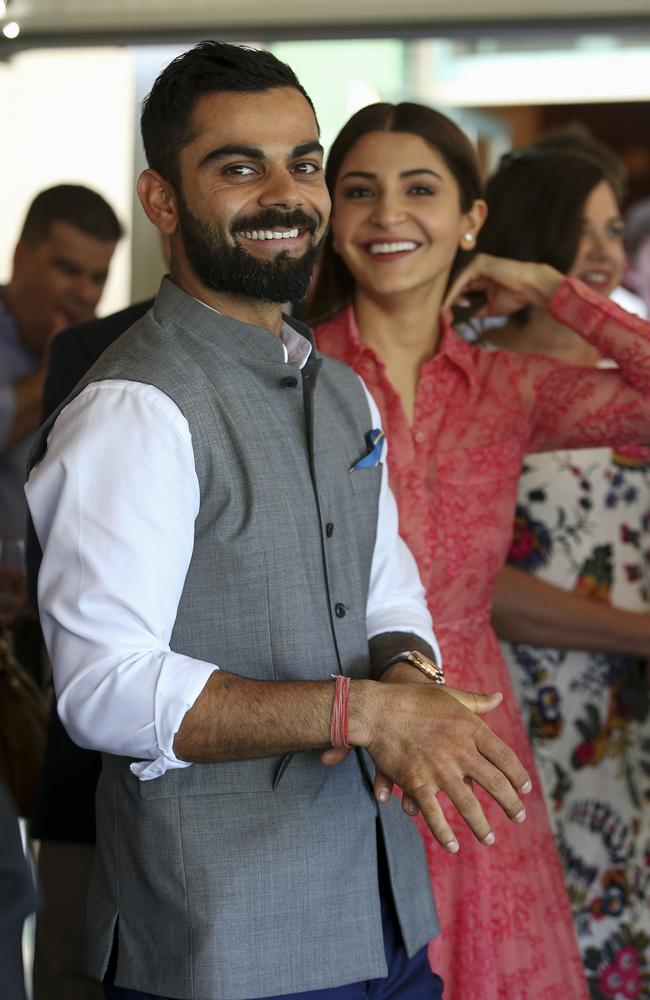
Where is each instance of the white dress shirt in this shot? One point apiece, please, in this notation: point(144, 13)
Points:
point(114, 502)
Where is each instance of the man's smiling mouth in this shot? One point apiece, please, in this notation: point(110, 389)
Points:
point(270, 234)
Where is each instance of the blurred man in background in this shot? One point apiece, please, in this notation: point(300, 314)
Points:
point(60, 267)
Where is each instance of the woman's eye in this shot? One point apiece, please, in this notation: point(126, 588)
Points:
point(420, 189)
point(615, 230)
point(357, 192)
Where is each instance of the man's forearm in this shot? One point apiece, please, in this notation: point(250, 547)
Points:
point(235, 718)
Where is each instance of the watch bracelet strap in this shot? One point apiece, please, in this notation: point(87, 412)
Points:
point(416, 659)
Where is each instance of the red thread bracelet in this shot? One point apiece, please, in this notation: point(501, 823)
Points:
point(339, 721)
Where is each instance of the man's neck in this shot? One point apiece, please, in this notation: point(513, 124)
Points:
point(239, 307)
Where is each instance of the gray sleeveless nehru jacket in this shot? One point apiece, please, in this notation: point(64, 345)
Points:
point(255, 878)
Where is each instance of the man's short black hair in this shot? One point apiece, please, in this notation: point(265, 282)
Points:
point(209, 67)
point(75, 204)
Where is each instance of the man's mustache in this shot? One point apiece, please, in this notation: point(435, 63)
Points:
point(272, 218)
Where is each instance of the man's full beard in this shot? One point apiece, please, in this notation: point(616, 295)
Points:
point(224, 267)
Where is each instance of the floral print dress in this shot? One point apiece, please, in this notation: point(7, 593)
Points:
point(583, 523)
point(507, 929)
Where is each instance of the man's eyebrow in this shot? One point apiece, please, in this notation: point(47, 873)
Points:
point(368, 175)
point(305, 148)
point(255, 153)
point(234, 149)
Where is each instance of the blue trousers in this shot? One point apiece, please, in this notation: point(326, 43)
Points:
point(408, 979)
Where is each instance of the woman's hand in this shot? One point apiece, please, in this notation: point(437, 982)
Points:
point(505, 285)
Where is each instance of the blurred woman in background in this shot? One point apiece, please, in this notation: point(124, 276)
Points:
point(575, 599)
point(406, 209)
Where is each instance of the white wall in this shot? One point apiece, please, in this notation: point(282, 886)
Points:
point(68, 117)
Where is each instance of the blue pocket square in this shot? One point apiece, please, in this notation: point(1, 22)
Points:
point(375, 442)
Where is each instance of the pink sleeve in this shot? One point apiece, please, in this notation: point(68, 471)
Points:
point(572, 406)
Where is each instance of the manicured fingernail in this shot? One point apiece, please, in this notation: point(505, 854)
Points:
point(384, 794)
point(521, 816)
point(489, 840)
point(453, 847)
point(526, 787)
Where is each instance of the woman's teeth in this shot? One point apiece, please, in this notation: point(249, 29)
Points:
point(597, 277)
point(271, 234)
point(398, 247)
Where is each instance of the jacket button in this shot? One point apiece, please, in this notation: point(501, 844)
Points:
point(340, 610)
point(289, 382)
point(329, 529)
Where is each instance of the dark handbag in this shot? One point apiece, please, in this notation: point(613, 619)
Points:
point(23, 726)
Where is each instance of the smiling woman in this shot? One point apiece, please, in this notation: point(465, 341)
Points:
point(407, 207)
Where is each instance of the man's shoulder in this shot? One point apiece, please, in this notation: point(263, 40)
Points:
point(94, 336)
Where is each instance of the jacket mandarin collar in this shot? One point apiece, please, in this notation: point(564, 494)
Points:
point(241, 340)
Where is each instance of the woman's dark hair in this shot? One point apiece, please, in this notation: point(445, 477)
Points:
point(166, 120)
point(537, 195)
point(335, 285)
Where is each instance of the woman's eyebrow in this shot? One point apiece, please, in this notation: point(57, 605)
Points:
point(368, 175)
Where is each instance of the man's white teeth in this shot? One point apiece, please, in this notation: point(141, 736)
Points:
point(392, 247)
point(271, 234)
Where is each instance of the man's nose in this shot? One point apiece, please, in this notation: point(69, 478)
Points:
point(281, 189)
point(87, 291)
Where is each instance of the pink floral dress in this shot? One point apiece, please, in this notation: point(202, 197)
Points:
point(507, 928)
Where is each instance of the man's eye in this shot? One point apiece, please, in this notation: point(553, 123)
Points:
point(69, 270)
point(240, 169)
point(307, 168)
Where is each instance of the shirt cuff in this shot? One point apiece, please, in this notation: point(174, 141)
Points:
point(180, 683)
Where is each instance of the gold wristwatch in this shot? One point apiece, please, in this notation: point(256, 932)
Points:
point(421, 663)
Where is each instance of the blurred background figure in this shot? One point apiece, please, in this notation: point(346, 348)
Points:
point(575, 600)
point(637, 248)
point(17, 900)
point(60, 266)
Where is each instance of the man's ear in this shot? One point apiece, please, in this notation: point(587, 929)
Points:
point(158, 200)
point(21, 256)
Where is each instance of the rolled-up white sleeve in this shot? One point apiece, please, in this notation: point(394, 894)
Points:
point(396, 597)
point(114, 501)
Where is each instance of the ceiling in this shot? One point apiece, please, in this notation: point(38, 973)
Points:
point(62, 21)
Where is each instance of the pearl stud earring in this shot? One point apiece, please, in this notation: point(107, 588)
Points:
point(468, 237)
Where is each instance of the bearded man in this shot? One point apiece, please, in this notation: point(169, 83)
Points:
point(223, 586)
